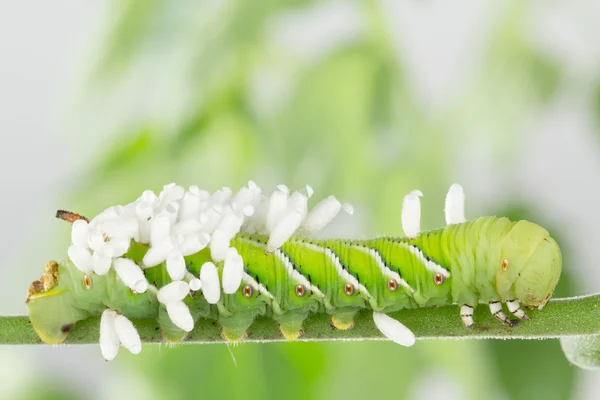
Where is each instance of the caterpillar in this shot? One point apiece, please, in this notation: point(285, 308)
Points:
point(185, 255)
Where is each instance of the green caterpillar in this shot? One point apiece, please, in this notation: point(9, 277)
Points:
point(182, 256)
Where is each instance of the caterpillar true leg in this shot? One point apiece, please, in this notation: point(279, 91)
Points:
point(496, 310)
point(466, 314)
point(515, 309)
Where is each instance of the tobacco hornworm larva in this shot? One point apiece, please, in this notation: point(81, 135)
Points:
point(181, 256)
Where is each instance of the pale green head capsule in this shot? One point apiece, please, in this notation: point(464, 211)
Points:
point(529, 266)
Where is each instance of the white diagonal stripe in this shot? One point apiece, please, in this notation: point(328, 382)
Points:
point(295, 275)
point(291, 272)
point(339, 268)
point(429, 264)
point(259, 287)
point(385, 270)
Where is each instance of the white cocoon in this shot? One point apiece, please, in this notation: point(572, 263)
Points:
point(393, 329)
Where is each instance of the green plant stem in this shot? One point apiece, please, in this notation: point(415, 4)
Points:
point(561, 317)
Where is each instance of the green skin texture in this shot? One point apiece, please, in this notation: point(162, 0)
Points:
point(473, 252)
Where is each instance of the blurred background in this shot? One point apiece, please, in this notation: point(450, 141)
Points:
point(366, 100)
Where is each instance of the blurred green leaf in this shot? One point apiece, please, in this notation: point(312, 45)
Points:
point(50, 391)
point(126, 152)
point(525, 368)
point(583, 351)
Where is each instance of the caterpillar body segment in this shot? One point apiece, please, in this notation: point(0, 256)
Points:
point(427, 270)
point(249, 262)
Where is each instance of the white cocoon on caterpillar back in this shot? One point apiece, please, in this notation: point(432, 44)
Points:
point(455, 205)
point(171, 243)
point(131, 274)
point(180, 314)
point(411, 214)
point(221, 196)
point(81, 258)
point(219, 243)
point(277, 207)
point(285, 229)
point(191, 205)
point(174, 291)
point(176, 264)
point(233, 269)
point(97, 243)
point(209, 276)
point(321, 215)
point(195, 284)
point(298, 202)
point(309, 191)
point(349, 208)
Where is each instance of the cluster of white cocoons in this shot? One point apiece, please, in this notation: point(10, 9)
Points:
point(117, 330)
point(177, 223)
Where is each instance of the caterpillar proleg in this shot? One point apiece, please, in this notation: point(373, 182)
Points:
point(182, 256)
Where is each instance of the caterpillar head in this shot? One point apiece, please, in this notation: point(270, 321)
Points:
point(50, 307)
point(529, 266)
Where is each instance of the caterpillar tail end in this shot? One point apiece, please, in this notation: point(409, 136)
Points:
point(50, 306)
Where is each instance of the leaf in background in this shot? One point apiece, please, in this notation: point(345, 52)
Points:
point(125, 153)
point(266, 371)
point(131, 24)
point(476, 377)
point(368, 370)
